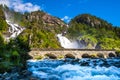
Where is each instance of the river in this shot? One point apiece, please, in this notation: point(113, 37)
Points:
point(75, 69)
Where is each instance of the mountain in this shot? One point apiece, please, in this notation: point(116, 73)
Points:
point(25, 31)
point(94, 32)
point(40, 30)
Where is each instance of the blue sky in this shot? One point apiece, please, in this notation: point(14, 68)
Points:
point(108, 10)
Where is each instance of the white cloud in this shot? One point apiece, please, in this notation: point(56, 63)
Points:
point(66, 19)
point(5, 2)
point(19, 6)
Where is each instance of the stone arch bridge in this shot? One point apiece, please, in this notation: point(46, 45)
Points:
point(71, 53)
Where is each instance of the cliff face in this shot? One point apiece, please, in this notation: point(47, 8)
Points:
point(91, 20)
point(43, 21)
point(46, 18)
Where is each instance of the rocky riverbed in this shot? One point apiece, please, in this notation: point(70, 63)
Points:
point(17, 75)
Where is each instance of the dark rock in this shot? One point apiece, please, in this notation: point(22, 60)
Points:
point(5, 75)
point(32, 78)
point(105, 63)
point(26, 73)
point(8, 78)
point(75, 61)
point(84, 63)
point(0, 75)
point(15, 76)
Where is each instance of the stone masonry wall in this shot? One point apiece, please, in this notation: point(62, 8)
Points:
point(72, 53)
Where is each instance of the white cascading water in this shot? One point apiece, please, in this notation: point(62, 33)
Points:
point(96, 69)
point(14, 30)
point(66, 43)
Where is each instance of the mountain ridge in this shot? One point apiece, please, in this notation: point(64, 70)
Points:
point(41, 31)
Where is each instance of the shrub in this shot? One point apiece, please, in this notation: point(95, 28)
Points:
point(60, 57)
point(39, 57)
point(93, 55)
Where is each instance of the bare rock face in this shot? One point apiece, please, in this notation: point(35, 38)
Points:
point(90, 20)
point(52, 20)
point(45, 18)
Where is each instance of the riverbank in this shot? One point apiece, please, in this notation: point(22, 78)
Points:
point(17, 74)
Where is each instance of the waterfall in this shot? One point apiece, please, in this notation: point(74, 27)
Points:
point(66, 43)
point(14, 30)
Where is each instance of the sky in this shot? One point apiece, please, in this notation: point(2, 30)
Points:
point(108, 10)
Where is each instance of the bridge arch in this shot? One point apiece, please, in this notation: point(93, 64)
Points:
point(85, 55)
point(69, 55)
point(100, 55)
point(111, 55)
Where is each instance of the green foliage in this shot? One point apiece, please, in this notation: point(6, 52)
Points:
point(12, 55)
point(110, 43)
point(39, 33)
point(1, 40)
point(39, 57)
point(5, 66)
point(3, 24)
point(93, 30)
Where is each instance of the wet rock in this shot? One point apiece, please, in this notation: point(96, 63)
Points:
point(0, 75)
point(84, 63)
point(32, 78)
point(25, 73)
point(8, 78)
point(105, 63)
point(15, 76)
point(5, 75)
point(75, 61)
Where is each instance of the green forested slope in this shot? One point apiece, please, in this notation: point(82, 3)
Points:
point(94, 31)
point(40, 32)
